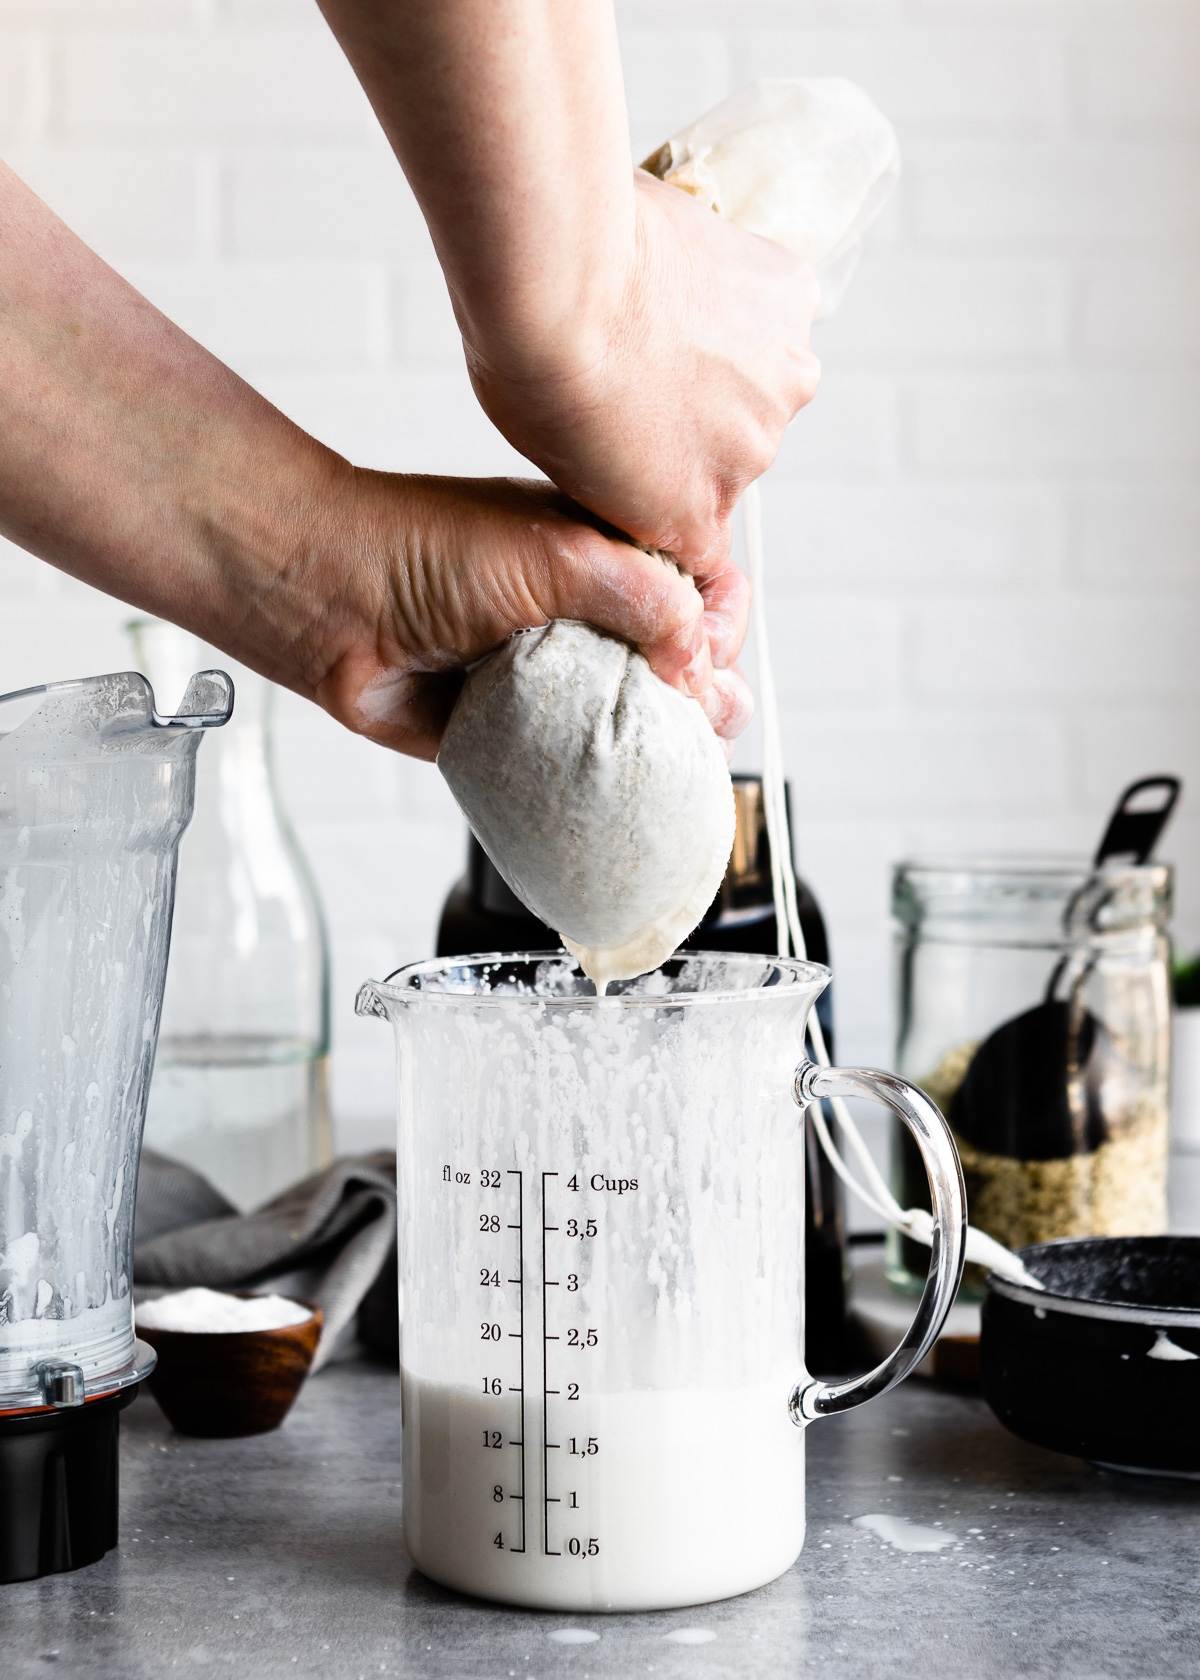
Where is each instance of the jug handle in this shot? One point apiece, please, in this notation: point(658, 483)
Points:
point(811, 1398)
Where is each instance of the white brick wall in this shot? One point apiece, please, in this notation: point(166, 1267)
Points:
point(933, 81)
point(983, 536)
point(131, 205)
point(219, 87)
point(304, 201)
point(1142, 81)
point(13, 86)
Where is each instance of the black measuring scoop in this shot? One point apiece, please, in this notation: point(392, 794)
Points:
point(1026, 1093)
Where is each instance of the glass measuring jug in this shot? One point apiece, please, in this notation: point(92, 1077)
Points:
point(602, 1273)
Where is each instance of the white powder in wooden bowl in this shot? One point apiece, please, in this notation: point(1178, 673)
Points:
point(208, 1311)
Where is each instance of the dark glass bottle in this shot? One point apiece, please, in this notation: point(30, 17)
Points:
point(481, 914)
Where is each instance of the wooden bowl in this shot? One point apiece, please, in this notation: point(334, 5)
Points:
point(239, 1382)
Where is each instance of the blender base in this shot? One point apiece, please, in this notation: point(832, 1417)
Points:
point(58, 1487)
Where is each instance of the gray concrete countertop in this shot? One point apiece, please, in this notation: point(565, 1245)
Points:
point(281, 1556)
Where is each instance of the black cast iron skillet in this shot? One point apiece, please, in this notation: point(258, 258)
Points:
point(1104, 1363)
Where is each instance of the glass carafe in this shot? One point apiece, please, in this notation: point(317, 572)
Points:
point(240, 1089)
point(602, 1269)
point(95, 792)
point(1035, 1009)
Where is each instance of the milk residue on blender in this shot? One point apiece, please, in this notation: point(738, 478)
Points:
point(97, 790)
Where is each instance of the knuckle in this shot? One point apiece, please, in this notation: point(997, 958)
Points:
point(683, 608)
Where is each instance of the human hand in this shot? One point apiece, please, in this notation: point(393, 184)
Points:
point(132, 459)
point(659, 404)
point(646, 354)
point(433, 573)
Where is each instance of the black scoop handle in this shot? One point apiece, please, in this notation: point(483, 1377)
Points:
point(1134, 834)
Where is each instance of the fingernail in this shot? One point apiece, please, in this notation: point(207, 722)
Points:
point(698, 674)
point(697, 668)
point(729, 705)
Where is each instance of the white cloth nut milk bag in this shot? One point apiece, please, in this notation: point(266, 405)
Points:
point(601, 795)
point(806, 162)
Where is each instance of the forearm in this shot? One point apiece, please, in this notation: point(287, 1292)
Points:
point(135, 460)
point(508, 118)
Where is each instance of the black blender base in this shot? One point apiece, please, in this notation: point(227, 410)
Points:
point(58, 1487)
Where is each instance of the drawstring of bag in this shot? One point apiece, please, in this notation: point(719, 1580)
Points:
point(916, 1223)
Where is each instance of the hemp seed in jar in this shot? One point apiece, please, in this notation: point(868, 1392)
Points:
point(1034, 1008)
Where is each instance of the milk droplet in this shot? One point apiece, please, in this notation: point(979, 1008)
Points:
point(1165, 1348)
point(905, 1536)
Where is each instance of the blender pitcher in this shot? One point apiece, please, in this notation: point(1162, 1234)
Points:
point(95, 792)
point(602, 1273)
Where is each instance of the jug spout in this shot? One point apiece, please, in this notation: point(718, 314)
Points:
point(371, 1001)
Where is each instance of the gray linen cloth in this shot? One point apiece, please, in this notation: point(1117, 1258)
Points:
point(329, 1239)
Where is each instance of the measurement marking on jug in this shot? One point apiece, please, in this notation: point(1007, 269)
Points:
point(568, 1337)
point(573, 1344)
point(498, 1275)
point(519, 1333)
point(548, 1445)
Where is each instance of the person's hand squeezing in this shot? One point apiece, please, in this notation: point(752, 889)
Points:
point(671, 384)
point(446, 569)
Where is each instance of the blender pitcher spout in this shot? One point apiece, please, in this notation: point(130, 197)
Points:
point(207, 703)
